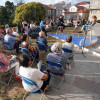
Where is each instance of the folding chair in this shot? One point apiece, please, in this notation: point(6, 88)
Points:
point(30, 82)
point(65, 50)
point(42, 48)
point(27, 52)
point(8, 71)
point(57, 65)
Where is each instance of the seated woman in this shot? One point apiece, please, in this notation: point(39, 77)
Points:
point(57, 57)
point(8, 61)
point(69, 22)
point(25, 44)
point(41, 79)
point(92, 23)
point(69, 45)
point(78, 24)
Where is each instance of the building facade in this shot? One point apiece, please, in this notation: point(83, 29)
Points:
point(81, 9)
point(94, 9)
point(50, 13)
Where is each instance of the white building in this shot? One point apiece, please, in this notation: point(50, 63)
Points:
point(94, 9)
point(81, 9)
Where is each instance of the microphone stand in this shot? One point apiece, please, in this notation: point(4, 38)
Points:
point(85, 34)
point(84, 44)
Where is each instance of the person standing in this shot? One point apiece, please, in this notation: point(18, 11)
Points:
point(25, 26)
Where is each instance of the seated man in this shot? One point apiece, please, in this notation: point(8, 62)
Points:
point(41, 79)
point(43, 39)
point(57, 57)
point(8, 61)
point(10, 41)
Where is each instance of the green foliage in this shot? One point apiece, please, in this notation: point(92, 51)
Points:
point(10, 7)
point(7, 13)
point(3, 16)
point(30, 11)
point(98, 21)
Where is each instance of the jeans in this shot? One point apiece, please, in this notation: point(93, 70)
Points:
point(84, 27)
point(43, 29)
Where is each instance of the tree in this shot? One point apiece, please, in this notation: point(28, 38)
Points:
point(3, 16)
point(10, 7)
point(19, 2)
point(30, 11)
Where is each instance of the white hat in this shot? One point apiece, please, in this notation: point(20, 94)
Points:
point(55, 47)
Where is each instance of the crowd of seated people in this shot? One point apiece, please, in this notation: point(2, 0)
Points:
point(13, 40)
point(23, 67)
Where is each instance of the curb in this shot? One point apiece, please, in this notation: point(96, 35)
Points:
point(85, 49)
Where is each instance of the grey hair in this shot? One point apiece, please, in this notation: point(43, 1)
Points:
point(8, 30)
point(56, 47)
point(2, 45)
point(40, 33)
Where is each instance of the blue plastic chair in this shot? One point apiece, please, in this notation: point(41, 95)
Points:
point(6, 46)
point(41, 46)
point(30, 82)
point(8, 71)
point(65, 50)
point(57, 65)
point(27, 52)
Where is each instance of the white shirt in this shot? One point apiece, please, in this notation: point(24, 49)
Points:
point(32, 25)
point(15, 34)
point(69, 46)
point(32, 74)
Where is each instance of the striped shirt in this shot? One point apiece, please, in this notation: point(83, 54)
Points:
point(57, 58)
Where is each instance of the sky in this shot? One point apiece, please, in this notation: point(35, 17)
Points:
point(2, 2)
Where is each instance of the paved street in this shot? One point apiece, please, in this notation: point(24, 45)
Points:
point(85, 68)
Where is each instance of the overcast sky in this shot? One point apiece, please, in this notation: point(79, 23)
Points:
point(2, 2)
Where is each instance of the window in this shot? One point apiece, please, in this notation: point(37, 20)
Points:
point(93, 11)
point(94, 3)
